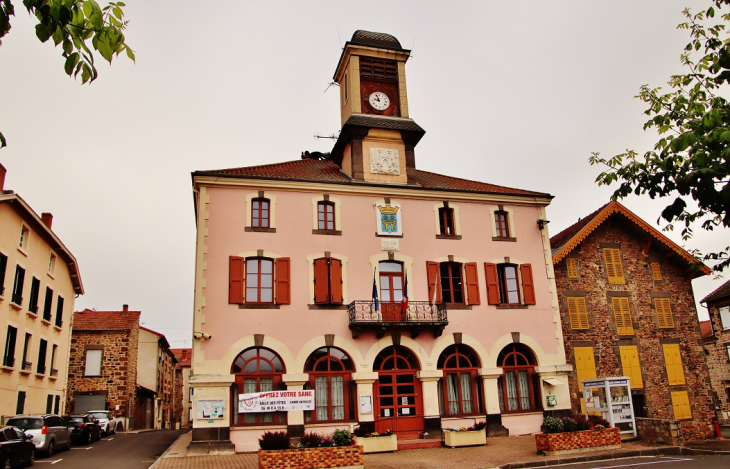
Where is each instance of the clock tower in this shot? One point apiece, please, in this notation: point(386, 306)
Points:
point(378, 137)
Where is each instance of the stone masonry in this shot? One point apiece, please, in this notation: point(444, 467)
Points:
point(718, 354)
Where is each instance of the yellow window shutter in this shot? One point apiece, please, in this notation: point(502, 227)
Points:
point(663, 312)
point(622, 315)
point(680, 404)
point(656, 271)
point(614, 269)
point(572, 267)
point(578, 312)
point(675, 371)
point(585, 364)
point(631, 366)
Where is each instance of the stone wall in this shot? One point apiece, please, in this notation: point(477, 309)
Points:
point(310, 458)
point(658, 431)
point(569, 442)
point(637, 254)
point(718, 361)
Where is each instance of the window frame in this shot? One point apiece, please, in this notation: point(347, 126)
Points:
point(24, 240)
point(18, 285)
point(503, 280)
point(35, 292)
point(390, 276)
point(622, 315)
point(59, 311)
point(614, 266)
point(578, 313)
point(87, 370)
point(42, 357)
point(247, 276)
point(260, 221)
point(455, 351)
point(347, 384)
point(325, 208)
point(448, 285)
point(52, 264)
point(277, 384)
point(447, 224)
point(501, 224)
point(328, 270)
point(3, 272)
point(11, 339)
point(48, 305)
point(664, 313)
point(724, 313)
point(529, 368)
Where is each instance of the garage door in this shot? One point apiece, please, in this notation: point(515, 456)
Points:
point(86, 402)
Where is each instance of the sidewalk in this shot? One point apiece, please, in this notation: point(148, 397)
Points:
point(507, 452)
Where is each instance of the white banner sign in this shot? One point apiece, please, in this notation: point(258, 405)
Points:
point(276, 401)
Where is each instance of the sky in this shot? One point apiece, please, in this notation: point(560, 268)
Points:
point(515, 93)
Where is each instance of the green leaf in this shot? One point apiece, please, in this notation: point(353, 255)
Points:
point(3, 142)
point(71, 62)
point(42, 32)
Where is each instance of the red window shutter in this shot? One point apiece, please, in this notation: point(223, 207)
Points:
point(528, 288)
point(335, 281)
point(321, 289)
point(490, 270)
point(283, 296)
point(432, 271)
point(472, 282)
point(235, 280)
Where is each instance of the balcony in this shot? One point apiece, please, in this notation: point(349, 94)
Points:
point(419, 315)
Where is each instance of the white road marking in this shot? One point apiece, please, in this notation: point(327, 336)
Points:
point(84, 449)
point(57, 460)
point(52, 462)
point(665, 460)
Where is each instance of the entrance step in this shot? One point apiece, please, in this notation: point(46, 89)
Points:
point(418, 444)
point(414, 435)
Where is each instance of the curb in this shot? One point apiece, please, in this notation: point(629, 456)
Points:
point(669, 450)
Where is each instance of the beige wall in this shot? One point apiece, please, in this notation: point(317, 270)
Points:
point(147, 361)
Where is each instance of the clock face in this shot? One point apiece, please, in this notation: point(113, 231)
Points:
point(379, 100)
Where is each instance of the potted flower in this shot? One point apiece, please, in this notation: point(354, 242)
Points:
point(376, 442)
point(574, 434)
point(313, 451)
point(466, 436)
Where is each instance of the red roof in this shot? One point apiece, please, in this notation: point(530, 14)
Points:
point(328, 171)
point(184, 355)
point(705, 329)
point(567, 234)
point(722, 292)
point(90, 320)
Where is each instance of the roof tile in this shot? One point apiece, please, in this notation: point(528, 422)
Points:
point(705, 329)
point(723, 291)
point(90, 320)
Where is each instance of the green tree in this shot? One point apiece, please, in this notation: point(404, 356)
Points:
point(691, 159)
point(71, 24)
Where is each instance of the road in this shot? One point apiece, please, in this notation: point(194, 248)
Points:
point(657, 462)
point(121, 450)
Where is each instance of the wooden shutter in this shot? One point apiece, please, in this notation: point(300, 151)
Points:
point(528, 287)
point(614, 269)
point(673, 361)
point(572, 267)
point(577, 312)
point(490, 271)
point(622, 316)
point(631, 365)
point(321, 279)
point(663, 312)
point(335, 281)
point(235, 279)
point(283, 296)
point(680, 404)
point(656, 271)
point(585, 364)
point(472, 283)
point(432, 271)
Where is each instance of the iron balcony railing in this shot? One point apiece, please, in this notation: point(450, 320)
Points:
point(416, 315)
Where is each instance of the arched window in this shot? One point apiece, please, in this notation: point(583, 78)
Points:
point(460, 388)
point(330, 371)
point(257, 369)
point(260, 213)
point(517, 384)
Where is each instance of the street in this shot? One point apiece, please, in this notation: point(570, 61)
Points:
point(656, 462)
point(123, 450)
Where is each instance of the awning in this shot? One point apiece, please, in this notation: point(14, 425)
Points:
point(552, 381)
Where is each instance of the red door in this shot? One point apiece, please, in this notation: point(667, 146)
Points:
point(398, 397)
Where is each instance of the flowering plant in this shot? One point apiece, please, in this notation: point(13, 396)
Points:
point(575, 423)
point(360, 433)
point(474, 428)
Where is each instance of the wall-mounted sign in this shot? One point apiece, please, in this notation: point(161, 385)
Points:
point(388, 219)
point(366, 405)
point(275, 401)
point(384, 161)
point(211, 409)
point(389, 244)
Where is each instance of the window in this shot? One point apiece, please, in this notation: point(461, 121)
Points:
point(725, 317)
point(571, 266)
point(35, 289)
point(52, 264)
point(391, 281)
point(680, 404)
point(260, 213)
point(614, 268)
point(59, 311)
point(26, 365)
point(516, 386)
point(24, 235)
point(258, 280)
point(257, 369)
point(446, 221)
point(577, 312)
point(503, 284)
point(93, 362)
point(501, 223)
point(327, 281)
point(656, 271)
point(631, 366)
point(622, 316)
point(585, 364)
point(20, 406)
point(330, 371)
point(42, 352)
point(56, 404)
point(663, 309)
point(9, 356)
point(49, 403)
point(673, 361)
point(47, 305)
point(54, 371)
point(17, 297)
point(326, 216)
point(460, 391)
point(451, 283)
point(3, 269)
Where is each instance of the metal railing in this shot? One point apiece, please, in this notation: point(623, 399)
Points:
point(392, 313)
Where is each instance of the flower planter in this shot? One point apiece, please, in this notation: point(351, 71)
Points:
point(473, 438)
point(312, 458)
point(574, 442)
point(378, 444)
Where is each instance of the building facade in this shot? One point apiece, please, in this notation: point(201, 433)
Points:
point(407, 300)
point(39, 280)
point(628, 309)
point(717, 345)
point(183, 397)
point(155, 378)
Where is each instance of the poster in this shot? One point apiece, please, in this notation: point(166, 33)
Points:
point(276, 401)
point(211, 409)
point(366, 405)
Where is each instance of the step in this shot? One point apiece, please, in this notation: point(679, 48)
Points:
point(418, 444)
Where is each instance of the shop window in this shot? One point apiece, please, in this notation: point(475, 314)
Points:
point(516, 386)
point(460, 390)
point(663, 309)
point(258, 280)
point(614, 268)
point(330, 372)
point(622, 316)
point(631, 365)
point(504, 282)
point(577, 312)
point(327, 281)
point(257, 369)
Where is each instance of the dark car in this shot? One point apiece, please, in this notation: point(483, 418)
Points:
point(16, 448)
point(84, 428)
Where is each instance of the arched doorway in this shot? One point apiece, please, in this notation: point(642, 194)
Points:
point(398, 396)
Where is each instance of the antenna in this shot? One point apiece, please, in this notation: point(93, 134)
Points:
point(338, 37)
point(330, 85)
point(413, 47)
point(330, 136)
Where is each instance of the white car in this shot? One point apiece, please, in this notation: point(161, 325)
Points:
point(106, 420)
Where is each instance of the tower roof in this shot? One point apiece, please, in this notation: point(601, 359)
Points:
point(373, 39)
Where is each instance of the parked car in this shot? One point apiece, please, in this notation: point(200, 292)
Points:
point(84, 428)
point(49, 431)
point(106, 420)
point(16, 448)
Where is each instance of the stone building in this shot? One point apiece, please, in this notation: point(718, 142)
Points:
point(183, 396)
point(39, 281)
point(155, 378)
point(628, 309)
point(717, 344)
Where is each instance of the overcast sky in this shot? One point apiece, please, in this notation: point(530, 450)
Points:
point(516, 93)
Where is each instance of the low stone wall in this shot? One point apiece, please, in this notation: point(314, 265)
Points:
point(569, 442)
point(660, 431)
point(311, 458)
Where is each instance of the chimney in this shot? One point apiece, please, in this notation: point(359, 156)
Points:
point(47, 219)
point(2, 176)
point(125, 308)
